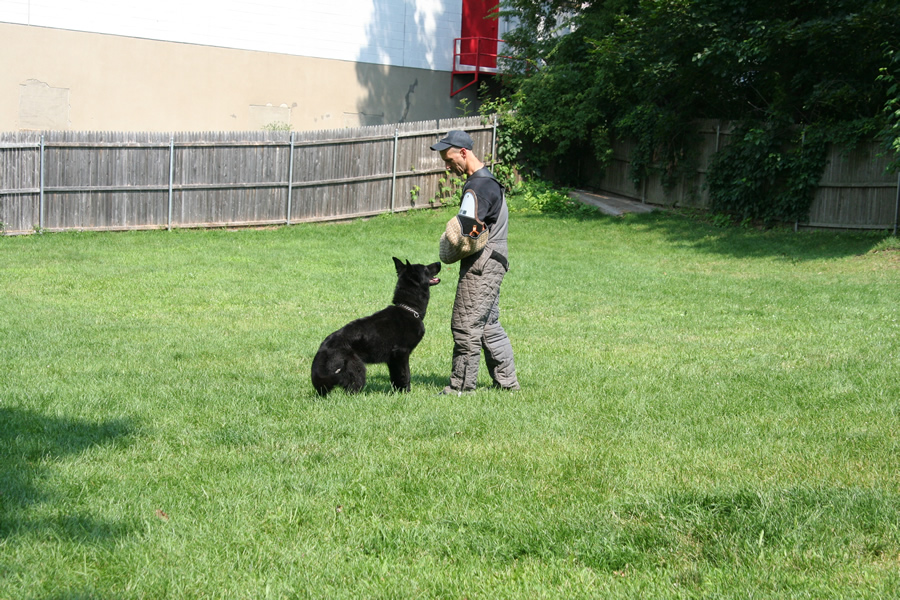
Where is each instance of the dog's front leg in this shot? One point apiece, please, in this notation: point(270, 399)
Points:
point(398, 366)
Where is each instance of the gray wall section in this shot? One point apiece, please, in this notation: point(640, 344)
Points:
point(59, 79)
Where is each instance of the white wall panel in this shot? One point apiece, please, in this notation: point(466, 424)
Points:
point(14, 11)
point(408, 33)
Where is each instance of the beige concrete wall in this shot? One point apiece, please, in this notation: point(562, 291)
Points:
point(58, 79)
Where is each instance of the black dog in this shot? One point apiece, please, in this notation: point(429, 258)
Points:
point(389, 336)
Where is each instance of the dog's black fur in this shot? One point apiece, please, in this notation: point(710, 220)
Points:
point(388, 336)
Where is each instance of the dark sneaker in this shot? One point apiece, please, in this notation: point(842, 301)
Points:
point(513, 388)
point(449, 391)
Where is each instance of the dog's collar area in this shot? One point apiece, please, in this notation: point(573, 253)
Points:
point(410, 309)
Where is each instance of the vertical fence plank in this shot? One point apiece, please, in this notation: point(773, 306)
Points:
point(290, 191)
point(171, 182)
point(897, 206)
point(41, 222)
point(20, 155)
point(394, 169)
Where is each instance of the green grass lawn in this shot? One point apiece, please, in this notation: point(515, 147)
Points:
point(705, 413)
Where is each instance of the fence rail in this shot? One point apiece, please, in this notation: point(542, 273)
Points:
point(59, 181)
point(855, 191)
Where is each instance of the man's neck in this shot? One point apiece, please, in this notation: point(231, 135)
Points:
point(473, 166)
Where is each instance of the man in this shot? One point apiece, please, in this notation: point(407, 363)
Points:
point(476, 310)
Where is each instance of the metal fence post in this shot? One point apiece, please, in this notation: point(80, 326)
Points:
point(394, 169)
point(287, 220)
point(171, 178)
point(41, 189)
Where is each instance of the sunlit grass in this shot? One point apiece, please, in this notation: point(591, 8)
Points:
point(705, 413)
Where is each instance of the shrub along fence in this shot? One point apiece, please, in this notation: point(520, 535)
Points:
point(100, 181)
point(856, 191)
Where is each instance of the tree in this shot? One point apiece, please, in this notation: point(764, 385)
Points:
point(785, 71)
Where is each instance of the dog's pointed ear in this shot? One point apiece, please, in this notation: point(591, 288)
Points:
point(398, 264)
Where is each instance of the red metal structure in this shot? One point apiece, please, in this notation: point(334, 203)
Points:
point(475, 51)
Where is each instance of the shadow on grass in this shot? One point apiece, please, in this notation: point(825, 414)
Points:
point(737, 242)
point(30, 443)
point(380, 383)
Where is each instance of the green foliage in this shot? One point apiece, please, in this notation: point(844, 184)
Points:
point(536, 195)
point(276, 126)
point(465, 107)
point(761, 175)
point(539, 196)
point(506, 165)
point(890, 76)
point(646, 70)
point(769, 172)
point(889, 244)
point(673, 158)
point(449, 190)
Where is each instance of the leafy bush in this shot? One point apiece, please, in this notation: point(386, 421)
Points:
point(540, 196)
point(890, 75)
point(765, 173)
point(770, 172)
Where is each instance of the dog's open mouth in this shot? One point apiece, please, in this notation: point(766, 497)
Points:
point(434, 281)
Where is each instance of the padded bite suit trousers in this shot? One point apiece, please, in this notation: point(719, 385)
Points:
point(476, 324)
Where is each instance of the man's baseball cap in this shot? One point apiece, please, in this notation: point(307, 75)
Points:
point(454, 139)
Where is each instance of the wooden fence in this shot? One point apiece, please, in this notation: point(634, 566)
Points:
point(855, 192)
point(58, 181)
point(61, 180)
